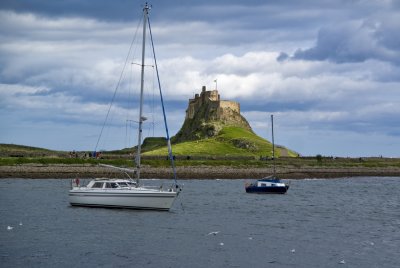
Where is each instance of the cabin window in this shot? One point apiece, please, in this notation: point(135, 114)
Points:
point(111, 185)
point(97, 185)
point(123, 184)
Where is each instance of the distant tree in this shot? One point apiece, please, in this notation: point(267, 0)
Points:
point(318, 157)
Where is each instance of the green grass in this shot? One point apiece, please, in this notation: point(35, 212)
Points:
point(9, 161)
point(15, 147)
point(231, 141)
point(16, 150)
point(232, 132)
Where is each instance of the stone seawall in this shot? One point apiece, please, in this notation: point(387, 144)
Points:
point(199, 172)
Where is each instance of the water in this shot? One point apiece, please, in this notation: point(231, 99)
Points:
point(319, 223)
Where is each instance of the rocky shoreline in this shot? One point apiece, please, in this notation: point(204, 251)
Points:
point(37, 171)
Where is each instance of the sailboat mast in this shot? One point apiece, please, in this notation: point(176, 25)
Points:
point(273, 142)
point(141, 118)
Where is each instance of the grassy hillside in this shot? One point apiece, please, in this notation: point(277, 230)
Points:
point(22, 150)
point(15, 147)
point(231, 141)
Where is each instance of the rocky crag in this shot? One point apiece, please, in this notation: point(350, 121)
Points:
point(207, 114)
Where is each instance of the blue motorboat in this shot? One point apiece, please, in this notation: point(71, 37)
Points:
point(271, 184)
point(268, 185)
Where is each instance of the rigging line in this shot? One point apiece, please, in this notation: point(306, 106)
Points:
point(162, 105)
point(130, 87)
point(152, 101)
point(117, 86)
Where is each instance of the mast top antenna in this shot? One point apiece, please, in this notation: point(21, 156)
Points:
point(146, 7)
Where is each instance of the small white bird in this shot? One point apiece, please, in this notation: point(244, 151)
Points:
point(20, 224)
point(10, 227)
point(221, 244)
point(342, 262)
point(213, 233)
point(293, 251)
point(250, 238)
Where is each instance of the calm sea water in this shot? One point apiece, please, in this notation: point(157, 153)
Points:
point(353, 222)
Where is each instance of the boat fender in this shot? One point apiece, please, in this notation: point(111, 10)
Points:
point(178, 188)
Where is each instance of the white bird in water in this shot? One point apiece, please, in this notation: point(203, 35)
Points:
point(342, 262)
point(250, 238)
point(221, 244)
point(20, 224)
point(293, 251)
point(9, 228)
point(213, 233)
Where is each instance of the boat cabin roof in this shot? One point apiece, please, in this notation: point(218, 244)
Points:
point(270, 182)
point(111, 183)
point(269, 179)
point(112, 180)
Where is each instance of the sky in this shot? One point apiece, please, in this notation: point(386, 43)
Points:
point(328, 70)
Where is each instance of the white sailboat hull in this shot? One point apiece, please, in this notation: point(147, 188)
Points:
point(135, 198)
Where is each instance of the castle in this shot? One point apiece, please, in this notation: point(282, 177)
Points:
point(207, 114)
point(217, 107)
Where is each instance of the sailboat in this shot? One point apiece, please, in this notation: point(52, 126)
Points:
point(129, 193)
point(270, 184)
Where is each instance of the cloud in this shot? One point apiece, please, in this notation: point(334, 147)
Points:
point(355, 41)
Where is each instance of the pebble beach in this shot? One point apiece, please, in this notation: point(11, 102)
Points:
point(61, 171)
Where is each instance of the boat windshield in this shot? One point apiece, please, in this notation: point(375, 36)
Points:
point(97, 185)
point(123, 184)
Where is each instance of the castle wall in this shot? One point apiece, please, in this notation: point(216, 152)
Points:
point(211, 98)
point(233, 105)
